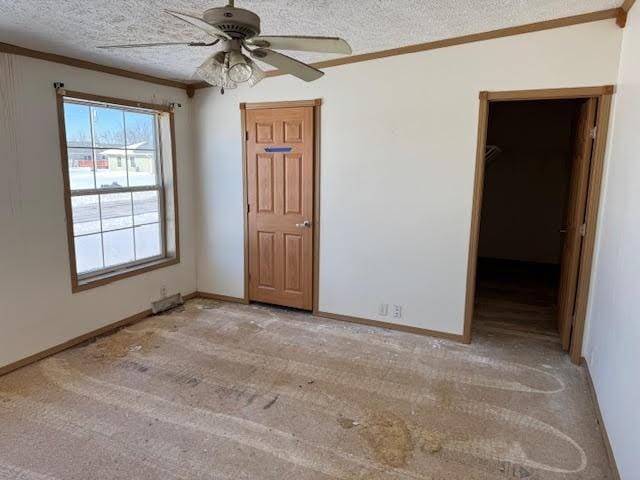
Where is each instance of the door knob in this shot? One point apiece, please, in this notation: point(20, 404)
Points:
point(305, 224)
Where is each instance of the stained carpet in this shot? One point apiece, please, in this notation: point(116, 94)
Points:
point(223, 391)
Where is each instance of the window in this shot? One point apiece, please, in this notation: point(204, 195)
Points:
point(119, 162)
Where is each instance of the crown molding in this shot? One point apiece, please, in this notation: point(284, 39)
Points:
point(75, 62)
point(450, 42)
point(619, 14)
point(623, 13)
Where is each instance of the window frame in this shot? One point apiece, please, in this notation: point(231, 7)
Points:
point(166, 186)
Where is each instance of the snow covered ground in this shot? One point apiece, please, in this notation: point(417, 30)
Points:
point(83, 178)
point(101, 250)
point(116, 228)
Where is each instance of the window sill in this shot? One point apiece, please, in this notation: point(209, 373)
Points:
point(98, 281)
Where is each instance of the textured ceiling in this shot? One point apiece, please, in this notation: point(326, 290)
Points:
point(75, 27)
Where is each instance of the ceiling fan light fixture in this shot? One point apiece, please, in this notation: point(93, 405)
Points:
point(214, 71)
point(237, 30)
point(240, 68)
point(257, 75)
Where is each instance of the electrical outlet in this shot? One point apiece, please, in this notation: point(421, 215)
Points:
point(163, 292)
point(397, 311)
point(383, 311)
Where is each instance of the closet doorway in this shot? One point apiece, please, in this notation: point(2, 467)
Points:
point(537, 188)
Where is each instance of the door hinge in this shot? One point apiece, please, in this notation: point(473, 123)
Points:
point(583, 229)
point(594, 132)
point(248, 207)
point(246, 135)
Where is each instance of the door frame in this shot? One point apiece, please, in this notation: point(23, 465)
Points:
point(316, 104)
point(604, 96)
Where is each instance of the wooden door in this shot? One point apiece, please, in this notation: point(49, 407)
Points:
point(280, 150)
point(575, 218)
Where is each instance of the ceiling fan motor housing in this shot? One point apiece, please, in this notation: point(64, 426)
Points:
point(236, 22)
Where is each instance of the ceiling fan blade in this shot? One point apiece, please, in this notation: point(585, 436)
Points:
point(302, 44)
point(200, 23)
point(287, 64)
point(146, 45)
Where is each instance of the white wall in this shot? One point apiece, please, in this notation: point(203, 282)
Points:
point(398, 157)
point(37, 308)
point(613, 329)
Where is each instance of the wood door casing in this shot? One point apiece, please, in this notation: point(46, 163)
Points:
point(575, 218)
point(280, 199)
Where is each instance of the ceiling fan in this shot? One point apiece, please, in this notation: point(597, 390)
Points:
point(238, 31)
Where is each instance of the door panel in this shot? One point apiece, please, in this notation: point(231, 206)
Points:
point(294, 260)
point(265, 184)
point(293, 132)
point(293, 187)
point(575, 218)
point(264, 132)
point(266, 260)
point(280, 197)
